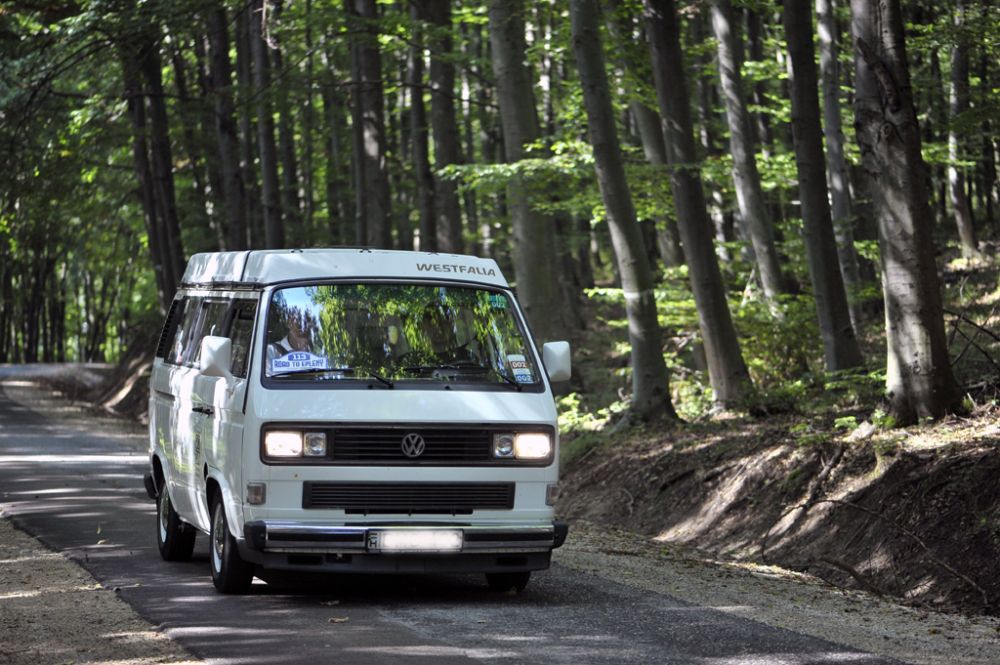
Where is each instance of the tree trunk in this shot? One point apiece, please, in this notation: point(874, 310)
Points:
point(248, 142)
point(919, 379)
point(762, 123)
point(534, 249)
point(233, 187)
point(162, 166)
point(958, 103)
point(338, 208)
point(647, 121)
point(836, 164)
point(418, 129)
point(162, 271)
point(727, 371)
point(447, 149)
point(650, 380)
point(367, 67)
point(274, 228)
point(291, 203)
point(840, 346)
point(749, 195)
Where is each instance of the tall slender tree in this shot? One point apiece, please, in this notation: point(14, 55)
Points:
point(274, 227)
point(726, 368)
point(958, 103)
point(840, 345)
point(749, 195)
point(919, 379)
point(836, 164)
point(650, 380)
point(534, 247)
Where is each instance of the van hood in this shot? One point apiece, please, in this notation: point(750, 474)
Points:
point(390, 406)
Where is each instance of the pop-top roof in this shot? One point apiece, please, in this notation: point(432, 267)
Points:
point(277, 265)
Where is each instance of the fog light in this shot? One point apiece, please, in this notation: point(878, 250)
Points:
point(551, 494)
point(314, 444)
point(256, 493)
point(503, 445)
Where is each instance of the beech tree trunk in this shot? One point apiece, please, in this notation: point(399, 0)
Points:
point(374, 203)
point(248, 141)
point(447, 148)
point(726, 369)
point(840, 346)
point(422, 173)
point(836, 165)
point(534, 243)
point(919, 380)
point(233, 187)
point(650, 379)
point(291, 203)
point(274, 228)
point(749, 195)
point(958, 103)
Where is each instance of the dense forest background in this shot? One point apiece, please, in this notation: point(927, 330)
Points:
point(736, 195)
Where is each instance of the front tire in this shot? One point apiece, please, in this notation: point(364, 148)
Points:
point(230, 573)
point(508, 581)
point(174, 538)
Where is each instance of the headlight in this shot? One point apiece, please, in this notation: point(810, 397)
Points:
point(283, 444)
point(525, 445)
point(532, 445)
point(503, 445)
point(315, 444)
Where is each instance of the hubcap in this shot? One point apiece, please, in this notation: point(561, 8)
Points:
point(164, 515)
point(218, 537)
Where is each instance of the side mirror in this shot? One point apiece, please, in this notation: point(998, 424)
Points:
point(557, 360)
point(216, 356)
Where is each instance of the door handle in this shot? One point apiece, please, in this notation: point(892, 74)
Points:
point(207, 410)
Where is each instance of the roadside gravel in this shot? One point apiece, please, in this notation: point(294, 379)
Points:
point(784, 599)
point(53, 611)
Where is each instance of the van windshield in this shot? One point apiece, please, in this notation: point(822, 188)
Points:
point(396, 332)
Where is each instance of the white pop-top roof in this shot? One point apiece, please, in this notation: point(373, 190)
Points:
point(276, 265)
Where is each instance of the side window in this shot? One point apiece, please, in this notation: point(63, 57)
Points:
point(211, 321)
point(241, 332)
point(176, 353)
point(174, 315)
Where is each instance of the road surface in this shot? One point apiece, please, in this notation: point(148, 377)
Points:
point(75, 482)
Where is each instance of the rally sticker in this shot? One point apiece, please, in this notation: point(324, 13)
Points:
point(498, 301)
point(299, 360)
point(522, 370)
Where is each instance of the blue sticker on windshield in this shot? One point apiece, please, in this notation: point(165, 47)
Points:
point(498, 301)
point(297, 360)
point(521, 368)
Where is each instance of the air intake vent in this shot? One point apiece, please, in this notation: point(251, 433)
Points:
point(383, 445)
point(408, 498)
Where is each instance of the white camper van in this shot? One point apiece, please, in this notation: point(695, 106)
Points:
point(353, 410)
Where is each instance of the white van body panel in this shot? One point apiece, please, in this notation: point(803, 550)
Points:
point(206, 431)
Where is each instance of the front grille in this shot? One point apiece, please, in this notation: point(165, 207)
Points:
point(408, 498)
point(384, 445)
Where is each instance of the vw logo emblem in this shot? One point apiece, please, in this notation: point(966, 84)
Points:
point(413, 445)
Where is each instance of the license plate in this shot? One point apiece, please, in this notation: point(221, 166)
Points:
point(416, 540)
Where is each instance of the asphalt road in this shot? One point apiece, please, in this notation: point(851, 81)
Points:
point(75, 482)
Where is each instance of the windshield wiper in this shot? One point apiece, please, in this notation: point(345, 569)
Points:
point(508, 380)
point(381, 379)
point(313, 370)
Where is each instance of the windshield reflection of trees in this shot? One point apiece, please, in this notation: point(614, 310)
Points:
point(403, 331)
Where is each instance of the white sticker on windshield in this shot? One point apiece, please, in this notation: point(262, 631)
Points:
point(298, 360)
point(521, 368)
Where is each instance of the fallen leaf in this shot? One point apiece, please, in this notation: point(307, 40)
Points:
point(339, 619)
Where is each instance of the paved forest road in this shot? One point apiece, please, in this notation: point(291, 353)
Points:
point(74, 481)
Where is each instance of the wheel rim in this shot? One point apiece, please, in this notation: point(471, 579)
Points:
point(218, 537)
point(164, 515)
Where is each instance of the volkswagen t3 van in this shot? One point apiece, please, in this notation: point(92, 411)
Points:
point(344, 410)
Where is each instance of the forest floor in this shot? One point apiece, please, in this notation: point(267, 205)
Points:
point(824, 484)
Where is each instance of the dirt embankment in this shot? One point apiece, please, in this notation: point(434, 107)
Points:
point(912, 514)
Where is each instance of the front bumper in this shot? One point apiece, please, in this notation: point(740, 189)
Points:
point(300, 546)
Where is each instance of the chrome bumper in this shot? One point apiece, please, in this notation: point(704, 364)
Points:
point(302, 538)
